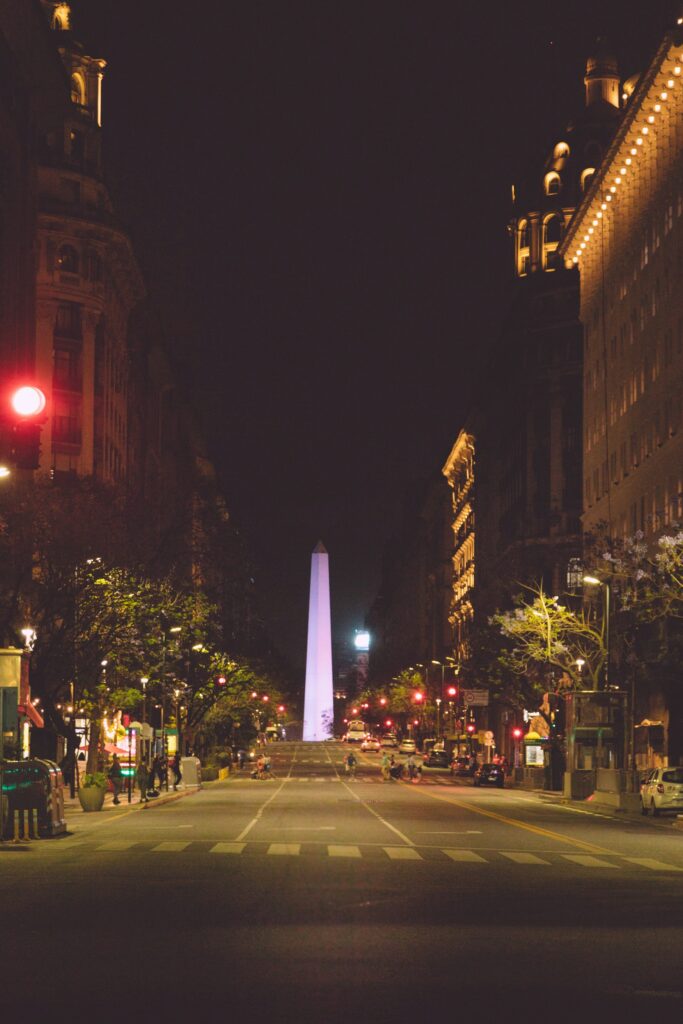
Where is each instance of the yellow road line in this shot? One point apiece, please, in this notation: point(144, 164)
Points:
point(536, 829)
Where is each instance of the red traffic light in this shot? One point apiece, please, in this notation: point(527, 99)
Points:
point(471, 727)
point(418, 697)
point(452, 691)
point(388, 723)
point(28, 401)
point(221, 680)
point(517, 733)
point(383, 701)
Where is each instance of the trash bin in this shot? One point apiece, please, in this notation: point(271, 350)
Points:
point(192, 771)
point(37, 785)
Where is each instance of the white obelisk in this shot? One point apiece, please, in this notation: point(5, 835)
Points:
point(318, 700)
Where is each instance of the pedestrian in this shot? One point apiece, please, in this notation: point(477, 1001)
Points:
point(384, 767)
point(175, 768)
point(156, 772)
point(116, 777)
point(412, 766)
point(142, 779)
point(351, 764)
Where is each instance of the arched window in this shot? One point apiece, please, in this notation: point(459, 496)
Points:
point(78, 89)
point(586, 178)
point(523, 248)
point(552, 233)
point(561, 151)
point(552, 183)
point(67, 260)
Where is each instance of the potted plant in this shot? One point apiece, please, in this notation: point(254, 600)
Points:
point(91, 791)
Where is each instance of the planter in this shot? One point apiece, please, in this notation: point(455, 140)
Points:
point(91, 798)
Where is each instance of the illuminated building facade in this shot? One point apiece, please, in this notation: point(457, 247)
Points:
point(88, 281)
point(627, 241)
point(459, 472)
point(527, 417)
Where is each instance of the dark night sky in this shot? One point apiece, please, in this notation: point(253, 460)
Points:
point(318, 193)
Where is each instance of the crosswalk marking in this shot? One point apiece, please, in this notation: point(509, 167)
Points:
point(170, 846)
point(285, 849)
point(656, 865)
point(343, 851)
point(588, 862)
point(465, 856)
point(525, 858)
point(116, 844)
point(227, 848)
point(402, 853)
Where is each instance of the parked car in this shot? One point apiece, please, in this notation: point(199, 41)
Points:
point(437, 759)
point(407, 747)
point(389, 740)
point(662, 790)
point(462, 766)
point(489, 775)
point(371, 743)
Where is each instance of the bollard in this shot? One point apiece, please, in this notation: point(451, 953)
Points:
point(15, 815)
point(32, 824)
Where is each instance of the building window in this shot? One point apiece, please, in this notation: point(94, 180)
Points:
point(68, 323)
point(587, 176)
point(552, 233)
point(552, 183)
point(523, 249)
point(67, 260)
point(66, 369)
point(78, 89)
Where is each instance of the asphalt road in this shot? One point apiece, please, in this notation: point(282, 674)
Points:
point(313, 897)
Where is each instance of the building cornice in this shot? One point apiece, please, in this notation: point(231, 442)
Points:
point(637, 131)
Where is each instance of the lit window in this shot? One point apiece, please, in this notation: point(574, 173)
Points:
point(586, 178)
point(552, 183)
point(78, 90)
point(552, 233)
point(523, 249)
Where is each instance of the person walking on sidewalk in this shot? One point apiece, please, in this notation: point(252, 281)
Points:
point(142, 779)
point(385, 767)
point(116, 777)
point(175, 768)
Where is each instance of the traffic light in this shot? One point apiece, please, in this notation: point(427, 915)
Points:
point(418, 697)
point(452, 692)
point(471, 727)
point(21, 418)
point(517, 733)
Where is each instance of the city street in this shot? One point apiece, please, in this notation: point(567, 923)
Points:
point(310, 897)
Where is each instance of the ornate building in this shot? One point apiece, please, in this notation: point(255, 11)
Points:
point(459, 472)
point(527, 417)
point(88, 281)
point(627, 240)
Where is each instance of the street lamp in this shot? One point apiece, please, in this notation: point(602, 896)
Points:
point(595, 582)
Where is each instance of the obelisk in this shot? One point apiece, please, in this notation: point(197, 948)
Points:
point(318, 700)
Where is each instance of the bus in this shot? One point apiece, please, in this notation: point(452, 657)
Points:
point(356, 731)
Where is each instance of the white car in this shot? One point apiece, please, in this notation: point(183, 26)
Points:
point(407, 747)
point(662, 790)
point(370, 743)
point(389, 740)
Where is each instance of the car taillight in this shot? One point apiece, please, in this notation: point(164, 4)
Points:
point(660, 787)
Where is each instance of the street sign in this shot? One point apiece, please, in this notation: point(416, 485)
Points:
point(476, 698)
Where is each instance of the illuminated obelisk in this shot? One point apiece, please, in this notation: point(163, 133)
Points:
point(318, 701)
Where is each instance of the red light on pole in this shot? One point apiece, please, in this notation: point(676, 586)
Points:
point(452, 691)
point(354, 711)
point(471, 728)
point(266, 698)
point(416, 721)
point(221, 680)
point(281, 708)
point(383, 701)
point(28, 401)
point(388, 723)
point(254, 693)
point(418, 697)
point(517, 733)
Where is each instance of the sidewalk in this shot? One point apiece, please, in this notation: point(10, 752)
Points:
point(593, 805)
point(74, 812)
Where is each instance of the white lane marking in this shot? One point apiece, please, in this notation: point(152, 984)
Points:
point(227, 848)
point(524, 858)
point(343, 851)
point(170, 846)
point(379, 817)
point(285, 849)
point(304, 828)
point(402, 853)
point(117, 844)
point(254, 821)
point(588, 862)
point(656, 865)
point(468, 832)
point(465, 856)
